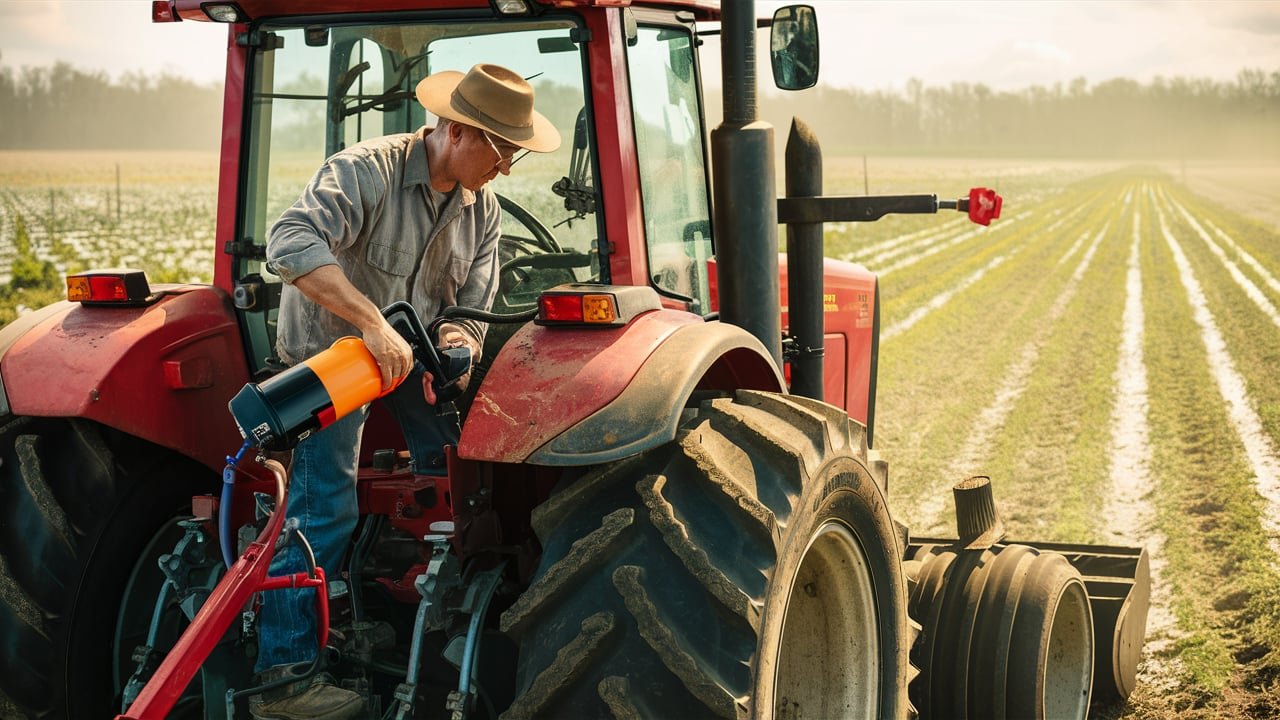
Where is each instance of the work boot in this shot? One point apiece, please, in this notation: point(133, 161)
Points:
point(309, 699)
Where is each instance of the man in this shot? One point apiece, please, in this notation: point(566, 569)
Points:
point(402, 217)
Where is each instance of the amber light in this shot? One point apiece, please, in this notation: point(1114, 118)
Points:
point(78, 289)
point(128, 287)
point(598, 309)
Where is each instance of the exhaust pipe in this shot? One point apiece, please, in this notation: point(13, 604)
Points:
point(745, 207)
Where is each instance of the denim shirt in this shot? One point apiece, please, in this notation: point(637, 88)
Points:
point(371, 211)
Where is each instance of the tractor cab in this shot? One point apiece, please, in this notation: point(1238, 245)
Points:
point(317, 85)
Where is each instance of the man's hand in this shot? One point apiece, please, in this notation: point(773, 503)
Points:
point(390, 350)
point(451, 336)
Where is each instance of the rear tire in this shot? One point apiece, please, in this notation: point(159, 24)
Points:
point(78, 504)
point(749, 568)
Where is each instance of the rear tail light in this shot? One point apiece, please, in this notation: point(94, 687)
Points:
point(109, 287)
point(592, 309)
point(594, 305)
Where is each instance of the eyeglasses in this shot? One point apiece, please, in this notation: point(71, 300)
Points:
point(509, 160)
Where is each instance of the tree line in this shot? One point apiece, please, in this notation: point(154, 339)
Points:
point(62, 107)
point(1121, 118)
point(65, 108)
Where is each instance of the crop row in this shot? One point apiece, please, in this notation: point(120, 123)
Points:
point(166, 231)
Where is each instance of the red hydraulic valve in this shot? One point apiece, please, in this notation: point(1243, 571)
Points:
point(984, 205)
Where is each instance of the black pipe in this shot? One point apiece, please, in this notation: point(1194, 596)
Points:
point(804, 265)
point(738, 60)
point(844, 208)
point(744, 196)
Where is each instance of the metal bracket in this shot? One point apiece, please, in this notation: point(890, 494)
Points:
point(475, 603)
point(246, 248)
point(792, 350)
point(260, 39)
point(191, 573)
point(442, 575)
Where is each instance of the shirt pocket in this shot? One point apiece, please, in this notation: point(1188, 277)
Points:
point(459, 269)
point(390, 260)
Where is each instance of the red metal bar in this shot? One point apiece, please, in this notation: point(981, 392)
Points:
point(246, 577)
point(302, 580)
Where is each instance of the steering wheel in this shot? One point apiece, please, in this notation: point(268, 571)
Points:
point(541, 239)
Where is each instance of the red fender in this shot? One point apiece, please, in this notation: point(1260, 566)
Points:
point(574, 396)
point(163, 372)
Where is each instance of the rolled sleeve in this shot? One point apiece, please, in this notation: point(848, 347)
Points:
point(327, 217)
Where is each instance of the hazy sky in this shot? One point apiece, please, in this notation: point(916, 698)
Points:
point(1006, 45)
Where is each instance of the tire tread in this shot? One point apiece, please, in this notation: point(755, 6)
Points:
point(629, 580)
point(693, 557)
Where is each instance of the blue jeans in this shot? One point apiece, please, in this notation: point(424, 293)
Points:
point(322, 496)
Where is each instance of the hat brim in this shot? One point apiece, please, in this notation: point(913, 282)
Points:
point(436, 90)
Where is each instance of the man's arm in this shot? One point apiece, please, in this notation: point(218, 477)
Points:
point(330, 288)
point(328, 216)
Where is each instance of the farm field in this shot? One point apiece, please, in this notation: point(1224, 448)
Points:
point(70, 209)
point(1106, 352)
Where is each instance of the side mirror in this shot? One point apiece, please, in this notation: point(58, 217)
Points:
point(793, 47)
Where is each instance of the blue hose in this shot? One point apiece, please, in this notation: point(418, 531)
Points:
point(224, 506)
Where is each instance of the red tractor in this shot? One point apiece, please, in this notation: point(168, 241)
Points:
point(663, 503)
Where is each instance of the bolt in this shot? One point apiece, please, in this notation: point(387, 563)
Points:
point(811, 590)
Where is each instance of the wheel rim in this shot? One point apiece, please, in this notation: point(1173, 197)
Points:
point(1069, 657)
point(828, 655)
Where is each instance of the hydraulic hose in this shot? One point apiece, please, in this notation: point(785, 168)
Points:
point(456, 311)
point(224, 506)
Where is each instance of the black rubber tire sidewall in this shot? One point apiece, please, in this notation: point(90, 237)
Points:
point(144, 487)
point(144, 510)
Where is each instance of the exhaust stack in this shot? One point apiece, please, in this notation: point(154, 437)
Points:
point(744, 197)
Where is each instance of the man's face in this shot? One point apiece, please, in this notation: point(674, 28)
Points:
point(484, 156)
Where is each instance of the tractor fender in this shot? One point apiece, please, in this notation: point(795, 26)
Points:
point(163, 372)
point(580, 397)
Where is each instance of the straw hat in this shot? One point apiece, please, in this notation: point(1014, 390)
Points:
point(491, 98)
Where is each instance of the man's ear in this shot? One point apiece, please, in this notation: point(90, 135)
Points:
point(455, 132)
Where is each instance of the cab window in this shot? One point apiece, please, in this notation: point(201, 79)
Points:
point(316, 89)
point(672, 158)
